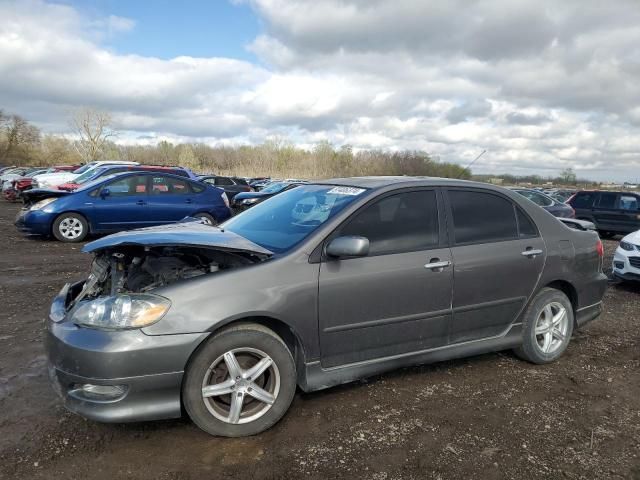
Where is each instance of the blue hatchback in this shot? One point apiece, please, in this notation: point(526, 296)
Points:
point(126, 201)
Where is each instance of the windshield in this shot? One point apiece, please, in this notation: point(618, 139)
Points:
point(88, 175)
point(84, 168)
point(274, 187)
point(285, 220)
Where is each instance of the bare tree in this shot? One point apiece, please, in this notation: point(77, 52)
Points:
point(94, 128)
point(19, 137)
point(568, 176)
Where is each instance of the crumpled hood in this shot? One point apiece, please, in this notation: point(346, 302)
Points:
point(187, 233)
point(36, 194)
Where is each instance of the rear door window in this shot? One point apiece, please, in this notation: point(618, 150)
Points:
point(607, 200)
point(584, 199)
point(404, 222)
point(526, 227)
point(480, 217)
point(161, 185)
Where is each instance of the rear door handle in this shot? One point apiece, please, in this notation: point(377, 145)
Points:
point(141, 202)
point(436, 265)
point(532, 252)
point(188, 200)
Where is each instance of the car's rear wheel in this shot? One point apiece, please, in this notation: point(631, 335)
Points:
point(70, 227)
point(240, 382)
point(206, 218)
point(547, 327)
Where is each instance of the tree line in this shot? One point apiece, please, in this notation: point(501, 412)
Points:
point(21, 143)
point(566, 177)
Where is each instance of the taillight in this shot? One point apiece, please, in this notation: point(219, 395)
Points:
point(600, 248)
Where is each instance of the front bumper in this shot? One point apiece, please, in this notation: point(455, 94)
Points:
point(147, 368)
point(36, 222)
point(622, 267)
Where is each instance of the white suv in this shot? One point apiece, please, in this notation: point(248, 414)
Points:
point(626, 260)
point(52, 180)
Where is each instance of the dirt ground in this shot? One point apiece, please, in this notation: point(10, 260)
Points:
point(491, 416)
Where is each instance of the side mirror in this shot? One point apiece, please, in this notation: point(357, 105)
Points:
point(104, 193)
point(351, 246)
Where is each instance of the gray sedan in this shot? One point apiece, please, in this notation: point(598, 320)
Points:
point(321, 285)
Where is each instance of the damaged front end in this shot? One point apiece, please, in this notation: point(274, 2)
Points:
point(140, 269)
point(129, 266)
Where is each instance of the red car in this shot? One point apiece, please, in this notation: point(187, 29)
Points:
point(22, 184)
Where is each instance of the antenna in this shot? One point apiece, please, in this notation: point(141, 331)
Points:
point(474, 160)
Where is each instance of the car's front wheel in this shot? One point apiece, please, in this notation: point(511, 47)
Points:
point(240, 382)
point(70, 227)
point(547, 327)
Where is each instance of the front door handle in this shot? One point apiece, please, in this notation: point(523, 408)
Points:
point(436, 265)
point(188, 200)
point(532, 252)
point(141, 202)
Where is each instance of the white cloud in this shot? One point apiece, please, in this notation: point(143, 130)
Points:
point(540, 84)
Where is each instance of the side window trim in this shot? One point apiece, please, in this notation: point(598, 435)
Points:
point(318, 255)
point(517, 208)
point(451, 226)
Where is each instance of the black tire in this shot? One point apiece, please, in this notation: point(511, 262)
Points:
point(531, 349)
point(242, 336)
point(58, 228)
point(207, 217)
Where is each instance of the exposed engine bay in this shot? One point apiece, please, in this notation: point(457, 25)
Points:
point(138, 269)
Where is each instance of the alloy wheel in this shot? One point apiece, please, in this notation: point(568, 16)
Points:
point(551, 327)
point(71, 228)
point(241, 385)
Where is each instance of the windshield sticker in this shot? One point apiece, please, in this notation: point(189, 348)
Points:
point(346, 191)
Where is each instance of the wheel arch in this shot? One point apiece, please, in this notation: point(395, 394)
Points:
point(204, 210)
point(569, 290)
point(282, 329)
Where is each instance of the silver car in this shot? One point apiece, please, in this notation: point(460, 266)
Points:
point(324, 284)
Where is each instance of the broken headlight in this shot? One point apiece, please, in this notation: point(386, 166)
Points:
point(121, 312)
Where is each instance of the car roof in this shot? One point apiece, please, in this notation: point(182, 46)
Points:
point(384, 181)
point(142, 167)
point(131, 173)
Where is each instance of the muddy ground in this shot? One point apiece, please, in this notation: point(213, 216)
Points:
point(491, 416)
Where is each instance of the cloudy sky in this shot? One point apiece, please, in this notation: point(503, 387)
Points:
point(540, 84)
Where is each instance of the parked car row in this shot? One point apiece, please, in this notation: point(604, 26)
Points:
point(556, 207)
point(72, 202)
